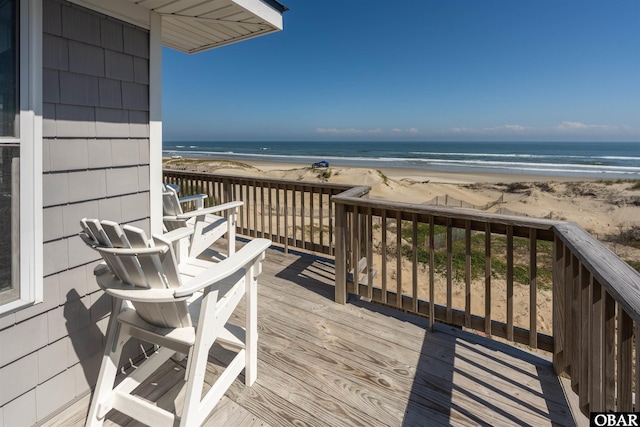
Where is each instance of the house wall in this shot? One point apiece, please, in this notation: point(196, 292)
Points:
point(95, 164)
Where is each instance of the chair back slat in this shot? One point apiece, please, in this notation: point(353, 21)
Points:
point(169, 264)
point(98, 233)
point(153, 265)
point(129, 263)
point(94, 230)
point(170, 202)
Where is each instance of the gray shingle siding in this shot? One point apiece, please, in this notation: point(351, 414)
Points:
point(95, 164)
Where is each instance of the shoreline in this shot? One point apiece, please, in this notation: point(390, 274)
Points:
point(412, 174)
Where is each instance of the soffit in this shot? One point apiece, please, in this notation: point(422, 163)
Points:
point(193, 26)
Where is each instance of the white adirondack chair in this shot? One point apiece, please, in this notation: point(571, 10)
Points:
point(181, 308)
point(208, 224)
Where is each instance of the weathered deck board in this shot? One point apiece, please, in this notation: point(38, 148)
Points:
point(325, 364)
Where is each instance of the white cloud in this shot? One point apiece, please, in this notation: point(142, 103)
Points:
point(411, 131)
point(564, 127)
point(514, 128)
point(335, 131)
point(376, 131)
point(579, 126)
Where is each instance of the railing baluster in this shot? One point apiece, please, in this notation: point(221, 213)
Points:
point(249, 207)
point(568, 318)
point(369, 242)
point(294, 198)
point(286, 219)
point(255, 208)
point(449, 271)
point(596, 396)
point(262, 228)
point(487, 279)
point(510, 283)
point(303, 216)
point(575, 315)
point(414, 264)
point(467, 274)
point(311, 219)
point(383, 240)
point(625, 369)
point(533, 288)
point(637, 368)
point(243, 208)
point(330, 220)
point(585, 344)
point(398, 259)
point(270, 208)
point(321, 216)
point(609, 380)
point(432, 283)
point(279, 214)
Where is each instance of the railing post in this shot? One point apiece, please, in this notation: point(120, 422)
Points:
point(341, 254)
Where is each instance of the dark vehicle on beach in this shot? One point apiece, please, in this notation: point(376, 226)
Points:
point(320, 164)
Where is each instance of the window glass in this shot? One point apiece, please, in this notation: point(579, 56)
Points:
point(9, 226)
point(8, 68)
point(9, 153)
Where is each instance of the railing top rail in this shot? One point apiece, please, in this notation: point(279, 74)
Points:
point(619, 279)
point(453, 213)
point(250, 179)
point(352, 193)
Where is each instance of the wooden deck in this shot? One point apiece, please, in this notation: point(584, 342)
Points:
point(360, 364)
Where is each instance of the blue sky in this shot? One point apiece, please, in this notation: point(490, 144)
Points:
point(424, 70)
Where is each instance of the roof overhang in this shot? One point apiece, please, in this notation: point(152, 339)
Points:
point(193, 26)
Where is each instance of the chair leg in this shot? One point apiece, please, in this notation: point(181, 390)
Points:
point(108, 369)
point(251, 326)
point(197, 363)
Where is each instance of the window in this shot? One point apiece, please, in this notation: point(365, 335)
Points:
point(8, 67)
point(20, 153)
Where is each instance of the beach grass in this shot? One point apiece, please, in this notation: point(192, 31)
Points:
point(635, 183)
point(498, 258)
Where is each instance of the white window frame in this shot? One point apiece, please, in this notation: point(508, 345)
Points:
point(30, 140)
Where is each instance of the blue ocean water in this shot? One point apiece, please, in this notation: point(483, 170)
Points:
point(610, 160)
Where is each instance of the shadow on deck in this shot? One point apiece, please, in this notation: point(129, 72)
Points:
point(324, 364)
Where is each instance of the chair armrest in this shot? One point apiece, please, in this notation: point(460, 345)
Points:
point(197, 198)
point(133, 251)
point(211, 210)
point(192, 198)
point(245, 256)
point(110, 284)
point(177, 234)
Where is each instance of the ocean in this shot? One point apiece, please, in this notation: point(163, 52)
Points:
point(606, 160)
